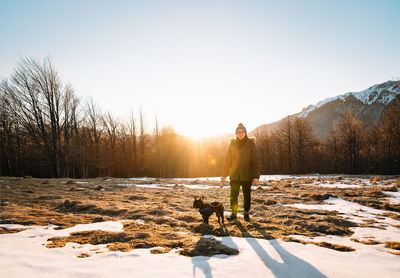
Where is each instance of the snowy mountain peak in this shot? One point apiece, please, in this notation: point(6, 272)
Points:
point(380, 93)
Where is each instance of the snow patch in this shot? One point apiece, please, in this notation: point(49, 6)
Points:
point(394, 196)
point(336, 185)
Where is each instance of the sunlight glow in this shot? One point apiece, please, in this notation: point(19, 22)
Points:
point(203, 67)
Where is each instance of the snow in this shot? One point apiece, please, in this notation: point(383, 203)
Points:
point(167, 186)
point(337, 185)
point(341, 206)
point(172, 185)
point(282, 177)
point(153, 185)
point(24, 252)
point(199, 179)
point(316, 106)
point(143, 179)
point(316, 181)
point(178, 179)
point(394, 196)
point(356, 213)
point(368, 96)
point(372, 94)
point(192, 186)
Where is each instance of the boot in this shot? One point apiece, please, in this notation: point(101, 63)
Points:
point(246, 216)
point(232, 217)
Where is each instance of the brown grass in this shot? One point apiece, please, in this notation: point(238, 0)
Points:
point(393, 188)
point(170, 220)
point(10, 231)
point(374, 192)
point(389, 206)
point(209, 247)
point(366, 242)
point(336, 247)
point(393, 245)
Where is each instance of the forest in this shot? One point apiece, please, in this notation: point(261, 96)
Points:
point(47, 131)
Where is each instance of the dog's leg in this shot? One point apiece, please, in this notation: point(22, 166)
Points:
point(221, 211)
point(205, 219)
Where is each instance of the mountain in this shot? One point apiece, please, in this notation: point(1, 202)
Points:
point(367, 107)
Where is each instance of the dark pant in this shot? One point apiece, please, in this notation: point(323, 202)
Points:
point(246, 188)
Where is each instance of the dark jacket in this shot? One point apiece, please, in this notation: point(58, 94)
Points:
point(242, 163)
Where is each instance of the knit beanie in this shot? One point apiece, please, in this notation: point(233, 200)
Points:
point(241, 127)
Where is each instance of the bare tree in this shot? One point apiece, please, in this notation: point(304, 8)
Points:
point(142, 144)
point(37, 93)
point(110, 126)
point(264, 148)
point(95, 132)
point(391, 137)
point(302, 141)
point(157, 156)
point(333, 146)
point(285, 138)
point(133, 140)
point(374, 147)
point(351, 132)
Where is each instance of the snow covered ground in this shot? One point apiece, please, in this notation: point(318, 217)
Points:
point(316, 180)
point(394, 197)
point(24, 253)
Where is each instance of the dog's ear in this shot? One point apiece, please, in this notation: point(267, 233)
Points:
point(195, 198)
point(202, 198)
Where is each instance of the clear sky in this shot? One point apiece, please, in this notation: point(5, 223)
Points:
point(204, 66)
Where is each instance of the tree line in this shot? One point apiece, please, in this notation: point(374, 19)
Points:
point(47, 131)
point(350, 147)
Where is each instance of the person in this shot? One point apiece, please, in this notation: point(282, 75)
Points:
point(242, 165)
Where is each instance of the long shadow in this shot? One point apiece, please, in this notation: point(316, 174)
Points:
point(203, 265)
point(292, 265)
point(202, 262)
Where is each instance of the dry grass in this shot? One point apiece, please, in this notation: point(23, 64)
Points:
point(393, 188)
point(374, 192)
point(209, 247)
point(393, 245)
point(336, 247)
point(392, 207)
point(10, 231)
point(367, 242)
point(169, 219)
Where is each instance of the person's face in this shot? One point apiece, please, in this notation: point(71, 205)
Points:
point(240, 134)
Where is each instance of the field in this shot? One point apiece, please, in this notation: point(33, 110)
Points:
point(338, 213)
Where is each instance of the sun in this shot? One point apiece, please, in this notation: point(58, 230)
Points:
point(198, 132)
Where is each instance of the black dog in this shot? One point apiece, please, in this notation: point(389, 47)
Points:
point(207, 210)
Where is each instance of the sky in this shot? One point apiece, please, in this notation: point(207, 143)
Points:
point(204, 66)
